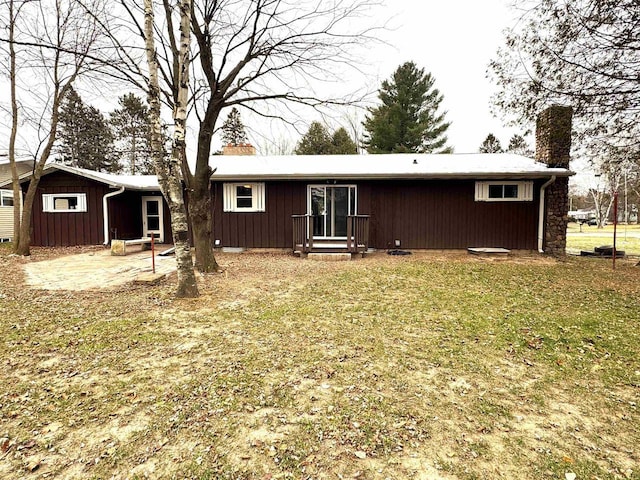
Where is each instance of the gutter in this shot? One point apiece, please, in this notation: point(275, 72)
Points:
point(389, 176)
point(541, 213)
point(105, 213)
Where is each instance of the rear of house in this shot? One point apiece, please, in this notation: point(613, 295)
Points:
point(345, 202)
point(407, 200)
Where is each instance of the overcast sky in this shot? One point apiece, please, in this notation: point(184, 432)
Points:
point(454, 40)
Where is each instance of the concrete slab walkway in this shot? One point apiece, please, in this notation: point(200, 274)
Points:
point(94, 270)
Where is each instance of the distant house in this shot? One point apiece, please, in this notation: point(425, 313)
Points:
point(345, 203)
point(6, 196)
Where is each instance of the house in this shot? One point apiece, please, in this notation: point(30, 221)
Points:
point(413, 201)
point(75, 206)
point(6, 196)
point(344, 203)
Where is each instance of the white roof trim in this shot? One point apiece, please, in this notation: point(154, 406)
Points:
point(131, 182)
point(389, 166)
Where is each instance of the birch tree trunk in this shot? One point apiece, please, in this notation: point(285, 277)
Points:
point(169, 170)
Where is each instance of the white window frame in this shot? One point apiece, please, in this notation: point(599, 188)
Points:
point(49, 201)
point(6, 194)
point(230, 197)
point(525, 191)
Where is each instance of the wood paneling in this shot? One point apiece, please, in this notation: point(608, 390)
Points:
point(272, 228)
point(444, 215)
point(421, 214)
point(72, 228)
point(87, 228)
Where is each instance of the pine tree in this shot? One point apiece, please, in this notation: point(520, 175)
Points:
point(132, 132)
point(233, 132)
point(85, 138)
point(518, 145)
point(342, 143)
point(491, 145)
point(69, 134)
point(408, 119)
point(316, 141)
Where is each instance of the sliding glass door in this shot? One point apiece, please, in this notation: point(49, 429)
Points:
point(330, 205)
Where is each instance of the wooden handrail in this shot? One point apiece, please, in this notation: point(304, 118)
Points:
point(357, 233)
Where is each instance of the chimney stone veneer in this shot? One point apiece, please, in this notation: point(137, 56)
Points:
point(553, 145)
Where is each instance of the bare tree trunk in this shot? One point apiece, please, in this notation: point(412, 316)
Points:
point(200, 213)
point(169, 172)
point(14, 130)
point(199, 188)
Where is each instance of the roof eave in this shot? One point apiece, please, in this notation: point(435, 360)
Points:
point(376, 176)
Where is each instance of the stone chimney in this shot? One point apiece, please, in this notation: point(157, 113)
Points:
point(241, 149)
point(553, 145)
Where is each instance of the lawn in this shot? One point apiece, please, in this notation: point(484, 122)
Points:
point(589, 237)
point(428, 366)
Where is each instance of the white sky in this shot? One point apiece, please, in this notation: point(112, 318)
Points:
point(454, 40)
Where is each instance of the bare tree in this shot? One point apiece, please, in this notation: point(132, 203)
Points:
point(582, 53)
point(169, 171)
point(251, 53)
point(14, 11)
point(57, 37)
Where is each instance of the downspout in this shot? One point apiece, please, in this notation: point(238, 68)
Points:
point(105, 212)
point(541, 213)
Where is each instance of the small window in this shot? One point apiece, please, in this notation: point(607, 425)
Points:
point(6, 198)
point(500, 191)
point(244, 197)
point(64, 202)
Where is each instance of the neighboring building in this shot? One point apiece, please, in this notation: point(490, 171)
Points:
point(6, 196)
point(307, 203)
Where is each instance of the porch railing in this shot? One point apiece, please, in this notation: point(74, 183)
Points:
point(357, 233)
point(302, 233)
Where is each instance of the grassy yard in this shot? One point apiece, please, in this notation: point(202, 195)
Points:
point(425, 367)
point(589, 237)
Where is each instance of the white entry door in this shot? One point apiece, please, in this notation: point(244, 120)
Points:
point(152, 220)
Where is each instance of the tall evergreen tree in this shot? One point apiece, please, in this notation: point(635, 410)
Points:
point(233, 132)
point(132, 133)
point(408, 119)
point(316, 141)
point(491, 145)
point(518, 145)
point(85, 138)
point(342, 143)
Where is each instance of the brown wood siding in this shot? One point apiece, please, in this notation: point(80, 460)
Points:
point(125, 215)
point(272, 228)
point(87, 228)
point(434, 214)
point(445, 215)
point(67, 229)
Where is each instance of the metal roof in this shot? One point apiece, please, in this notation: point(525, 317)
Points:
point(131, 182)
point(384, 166)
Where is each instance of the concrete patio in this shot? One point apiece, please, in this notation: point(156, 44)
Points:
point(94, 270)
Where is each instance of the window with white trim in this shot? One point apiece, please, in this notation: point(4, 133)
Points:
point(244, 197)
point(64, 202)
point(6, 198)
point(504, 191)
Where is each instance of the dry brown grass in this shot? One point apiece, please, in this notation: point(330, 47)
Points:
point(429, 366)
